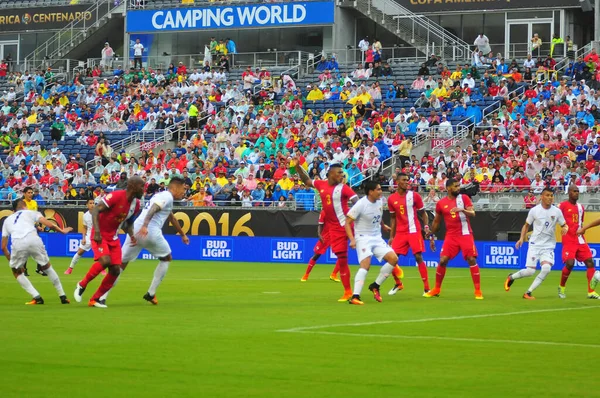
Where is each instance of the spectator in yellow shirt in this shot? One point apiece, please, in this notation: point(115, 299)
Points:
point(315, 94)
point(440, 91)
point(285, 183)
point(28, 199)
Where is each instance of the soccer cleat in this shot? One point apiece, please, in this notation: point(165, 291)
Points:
point(398, 272)
point(425, 292)
point(374, 287)
point(96, 303)
point(528, 296)
point(478, 295)
point(355, 300)
point(103, 302)
point(594, 281)
point(35, 301)
point(78, 292)
point(64, 300)
point(304, 278)
point(435, 292)
point(40, 271)
point(333, 277)
point(396, 289)
point(344, 299)
point(561, 292)
point(508, 282)
point(151, 299)
point(593, 296)
point(69, 271)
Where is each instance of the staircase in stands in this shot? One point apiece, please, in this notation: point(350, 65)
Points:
point(416, 30)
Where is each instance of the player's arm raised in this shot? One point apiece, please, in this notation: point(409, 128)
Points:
point(54, 227)
point(95, 212)
point(143, 232)
point(304, 177)
point(175, 223)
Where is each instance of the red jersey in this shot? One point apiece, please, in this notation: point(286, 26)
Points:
point(334, 200)
point(119, 210)
point(573, 214)
point(457, 224)
point(405, 207)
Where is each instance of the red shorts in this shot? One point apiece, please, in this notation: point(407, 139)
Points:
point(110, 248)
point(321, 246)
point(338, 241)
point(576, 251)
point(403, 242)
point(454, 244)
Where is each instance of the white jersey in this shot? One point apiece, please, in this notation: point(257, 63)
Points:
point(20, 224)
point(89, 224)
point(164, 200)
point(367, 217)
point(544, 226)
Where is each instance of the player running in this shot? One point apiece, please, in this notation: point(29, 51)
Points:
point(25, 242)
point(321, 248)
point(542, 242)
point(455, 209)
point(32, 205)
point(595, 277)
point(574, 245)
point(148, 231)
point(404, 205)
point(334, 198)
point(115, 210)
point(86, 237)
point(367, 215)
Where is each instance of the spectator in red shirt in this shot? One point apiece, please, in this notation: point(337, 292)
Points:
point(521, 182)
point(530, 200)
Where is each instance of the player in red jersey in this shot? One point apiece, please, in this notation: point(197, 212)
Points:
point(455, 209)
point(334, 199)
point(404, 205)
point(574, 245)
point(115, 210)
point(320, 248)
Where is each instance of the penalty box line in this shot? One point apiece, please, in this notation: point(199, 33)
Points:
point(314, 329)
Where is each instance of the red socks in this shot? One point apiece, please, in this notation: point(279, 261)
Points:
point(92, 273)
point(105, 286)
point(440, 273)
point(590, 274)
point(476, 276)
point(336, 269)
point(311, 264)
point(424, 275)
point(342, 263)
point(565, 275)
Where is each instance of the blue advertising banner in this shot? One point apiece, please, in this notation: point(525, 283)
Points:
point(501, 255)
point(231, 17)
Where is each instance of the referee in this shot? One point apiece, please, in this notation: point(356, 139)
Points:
point(193, 114)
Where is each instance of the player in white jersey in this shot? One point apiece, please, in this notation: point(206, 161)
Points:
point(148, 231)
point(25, 242)
point(542, 242)
point(86, 237)
point(367, 216)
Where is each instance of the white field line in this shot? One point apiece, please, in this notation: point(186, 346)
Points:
point(423, 320)
point(459, 339)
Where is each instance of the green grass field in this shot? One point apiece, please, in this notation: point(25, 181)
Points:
point(253, 330)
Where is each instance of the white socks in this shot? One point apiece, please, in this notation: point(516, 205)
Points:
point(53, 276)
point(540, 277)
point(384, 273)
point(27, 286)
point(359, 281)
point(159, 275)
point(524, 273)
point(105, 295)
point(74, 260)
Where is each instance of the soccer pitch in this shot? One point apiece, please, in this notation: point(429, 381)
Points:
point(226, 329)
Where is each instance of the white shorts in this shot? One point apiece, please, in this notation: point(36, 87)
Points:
point(154, 242)
point(367, 246)
point(88, 244)
point(538, 255)
point(30, 246)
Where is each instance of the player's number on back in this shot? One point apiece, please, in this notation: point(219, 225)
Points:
point(147, 205)
point(17, 217)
